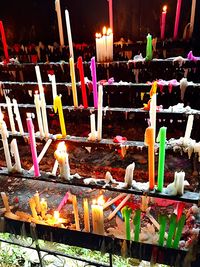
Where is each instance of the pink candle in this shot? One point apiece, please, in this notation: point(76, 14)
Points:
point(94, 81)
point(63, 202)
point(178, 11)
point(3, 37)
point(163, 23)
point(111, 14)
point(32, 142)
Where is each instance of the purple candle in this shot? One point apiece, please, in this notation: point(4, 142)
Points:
point(94, 81)
point(178, 11)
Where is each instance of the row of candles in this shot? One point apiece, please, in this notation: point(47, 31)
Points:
point(104, 45)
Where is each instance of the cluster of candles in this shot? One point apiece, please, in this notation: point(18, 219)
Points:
point(104, 45)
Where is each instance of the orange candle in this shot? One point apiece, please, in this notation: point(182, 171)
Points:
point(149, 141)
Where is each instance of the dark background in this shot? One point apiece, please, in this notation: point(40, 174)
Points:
point(36, 20)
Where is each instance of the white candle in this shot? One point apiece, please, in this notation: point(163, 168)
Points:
point(44, 115)
point(15, 152)
point(75, 209)
point(192, 17)
point(69, 34)
point(100, 112)
point(55, 167)
point(104, 45)
point(152, 113)
point(39, 79)
point(129, 174)
point(179, 182)
point(189, 127)
point(10, 114)
point(62, 158)
point(109, 45)
point(86, 215)
point(52, 79)
point(93, 133)
point(18, 117)
point(59, 17)
point(38, 112)
point(97, 216)
point(98, 39)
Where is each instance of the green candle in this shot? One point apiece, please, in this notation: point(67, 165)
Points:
point(149, 53)
point(136, 222)
point(163, 222)
point(179, 230)
point(171, 232)
point(161, 161)
point(126, 213)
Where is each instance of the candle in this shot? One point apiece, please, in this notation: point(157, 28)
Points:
point(44, 115)
point(180, 209)
point(144, 204)
point(32, 142)
point(37, 202)
point(123, 202)
point(149, 53)
point(55, 168)
point(192, 17)
point(69, 34)
point(10, 114)
point(110, 3)
point(52, 78)
point(5, 201)
point(109, 45)
point(152, 113)
point(63, 161)
point(126, 213)
point(171, 231)
point(189, 128)
point(161, 161)
point(97, 216)
point(82, 79)
point(179, 182)
point(4, 137)
point(94, 81)
point(163, 223)
point(129, 174)
point(178, 11)
point(43, 205)
point(93, 133)
point(104, 45)
point(39, 79)
point(57, 105)
point(59, 17)
point(15, 152)
point(113, 207)
point(99, 113)
point(86, 215)
point(18, 117)
point(179, 230)
point(73, 79)
point(98, 46)
point(3, 37)
point(63, 202)
point(163, 22)
point(75, 209)
point(110, 202)
point(32, 205)
point(136, 222)
point(38, 113)
point(149, 141)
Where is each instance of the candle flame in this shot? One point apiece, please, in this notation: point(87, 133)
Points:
point(109, 31)
point(56, 215)
point(36, 92)
point(165, 8)
point(104, 30)
point(98, 35)
point(100, 200)
point(42, 200)
point(62, 147)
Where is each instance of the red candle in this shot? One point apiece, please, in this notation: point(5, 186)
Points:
point(83, 88)
point(178, 11)
point(163, 23)
point(3, 37)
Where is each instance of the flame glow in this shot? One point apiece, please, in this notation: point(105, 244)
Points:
point(165, 8)
point(56, 215)
point(104, 30)
point(62, 147)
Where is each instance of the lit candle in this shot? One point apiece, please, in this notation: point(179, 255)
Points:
point(18, 117)
point(10, 114)
point(161, 161)
point(97, 216)
point(38, 113)
point(69, 34)
point(99, 113)
point(32, 205)
point(63, 202)
point(163, 23)
point(73, 80)
point(110, 3)
point(109, 45)
point(149, 53)
point(149, 141)
point(94, 81)
point(104, 45)
point(171, 231)
point(179, 230)
point(3, 37)
point(37, 202)
point(75, 209)
point(44, 115)
point(43, 205)
point(59, 17)
point(15, 152)
point(39, 79)
point(98, 41)
point(32, 142)
point(93, 133)
point(129, 174)
point(57, 105)
point(86, 215)
point(137, 222)
point(82, 79)
point(152, 112)
point(178, 11)
point(189, 127)
point(126, 213)
point(63, 161)
point(192, 17)
point(163, 223)
point(52, 78)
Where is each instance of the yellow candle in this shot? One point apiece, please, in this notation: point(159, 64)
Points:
point(75, 208)
point(43, 205)
point(57, 105)
point(37, 202)
point(5, 201)
point(97, 216)
point(73, 79)
point(33, 208)
point(86, 215)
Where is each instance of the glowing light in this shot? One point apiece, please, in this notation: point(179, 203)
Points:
point(165, 8)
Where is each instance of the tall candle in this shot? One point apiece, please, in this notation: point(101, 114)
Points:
point(15, 152)
point(100, 113)
point(82, 79)
point(44, 115)
point(163, 23)
point(4, 136)
point(18, 117)
point(63, 202)
point(192, 17)
point(98, 46)
point(33, 145)
point(176, 25)
point(59, 17)
point(3, 37)
point(94, 81)
point(109, 45)
point(171, 231)
point(163, 223)
point(149, 52)
point(69, 34)
point(75, 209)
point(110, 13)
point(52, 78)
point(38, 113)
point(161, 161)
point(10, 114)
point(57, 105)
point(39, 79)
point(73, 79)
point(126, 213)
point(189, 126)
point(86, 215)
point(104, 45)
point(37, 201)
point(179, 230)
point(137, 222)
point(152, 113)
point(63, 161)
point(97, 216)
point(149, 141)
